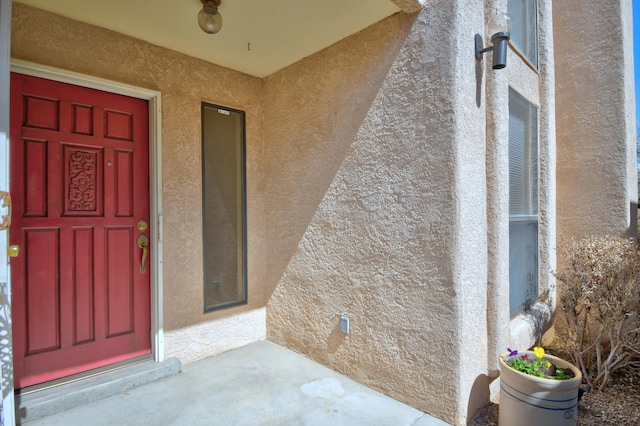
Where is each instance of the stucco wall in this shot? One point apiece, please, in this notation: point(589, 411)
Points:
point(595, 118)
point(184, 82)
point(393, 205)
point(375, 200)
point(537, 85)
point(378, 193)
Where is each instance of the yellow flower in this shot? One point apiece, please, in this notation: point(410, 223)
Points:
point(548, 365)
point(539, 351)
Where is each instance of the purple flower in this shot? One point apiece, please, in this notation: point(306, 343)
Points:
point(512, 353)
point(525, 356)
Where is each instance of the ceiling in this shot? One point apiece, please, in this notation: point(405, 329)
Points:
point(258, 37)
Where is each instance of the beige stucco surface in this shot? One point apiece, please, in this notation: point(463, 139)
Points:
point(379, 213)
point(537, 85)
point(377, 175)
point(214, 337)
point(393, 207)
point(363, 202)
point(184, 83)
point(367, 197)
point(596, 119)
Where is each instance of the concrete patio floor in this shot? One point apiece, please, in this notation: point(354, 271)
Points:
point(259, 384)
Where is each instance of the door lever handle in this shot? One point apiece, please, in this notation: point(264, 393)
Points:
point(143, 243)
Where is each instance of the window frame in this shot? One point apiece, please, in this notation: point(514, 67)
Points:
point(530, 209)
point(530, 29)
point(244, 298)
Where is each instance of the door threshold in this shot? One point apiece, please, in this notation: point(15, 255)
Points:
point(84, 375)
point(64, 394)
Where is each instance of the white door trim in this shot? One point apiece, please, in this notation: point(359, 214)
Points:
point(155, 174)
point(7, 402)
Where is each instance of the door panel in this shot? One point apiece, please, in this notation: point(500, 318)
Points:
point(80, 176)
point(82, 172)
point(119, 301)
point(83, 285)
point(36, 168)
point(42, 301)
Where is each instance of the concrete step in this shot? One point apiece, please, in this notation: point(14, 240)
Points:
point(37, 402)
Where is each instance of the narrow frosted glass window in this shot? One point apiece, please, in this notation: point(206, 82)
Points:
point(524, 28)
point(223, 207)
point(523, 203)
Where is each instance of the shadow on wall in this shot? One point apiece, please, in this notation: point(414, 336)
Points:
point(634, 223)
point(6, 353)
point(479, 87)
point(479, 396)
point(314, 110)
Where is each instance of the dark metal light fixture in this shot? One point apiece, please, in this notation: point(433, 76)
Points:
point(209, 18)
point(500, 41)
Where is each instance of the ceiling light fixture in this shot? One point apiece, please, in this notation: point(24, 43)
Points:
point(209, 18)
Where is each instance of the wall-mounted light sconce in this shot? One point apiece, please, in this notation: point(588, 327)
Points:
point(209, 18)
point(501, 28)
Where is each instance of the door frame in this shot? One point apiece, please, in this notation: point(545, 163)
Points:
point(155, 175)
point(7, 402)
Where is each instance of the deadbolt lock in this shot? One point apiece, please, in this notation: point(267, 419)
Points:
point(142, 225)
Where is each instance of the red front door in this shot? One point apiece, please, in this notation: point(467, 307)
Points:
point(80, 189)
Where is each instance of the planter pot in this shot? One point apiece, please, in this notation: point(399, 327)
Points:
point(527, 400)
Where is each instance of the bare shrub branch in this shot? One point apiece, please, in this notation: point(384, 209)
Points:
point(600, 300)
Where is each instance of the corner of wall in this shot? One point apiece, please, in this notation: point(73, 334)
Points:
point(206, 339)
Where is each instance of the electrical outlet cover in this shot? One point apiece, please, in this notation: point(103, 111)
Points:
point(344, 324)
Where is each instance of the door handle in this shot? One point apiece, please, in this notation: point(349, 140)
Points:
point(6, 202)
point(143, 243)
point(13, 251)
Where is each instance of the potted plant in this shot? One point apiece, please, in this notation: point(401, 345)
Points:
point(537, 389)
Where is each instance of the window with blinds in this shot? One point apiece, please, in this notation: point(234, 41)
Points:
point(524, 24)
point(523, 203)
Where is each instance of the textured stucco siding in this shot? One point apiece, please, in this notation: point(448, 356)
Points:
point(469, 236)
point(596, 118)
point(377, 175)
point(393, 206)
point(537, 85)
point(409, 6)
point(212, 338)
point(184, 82)
point(375, 201)
point(497, 181)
